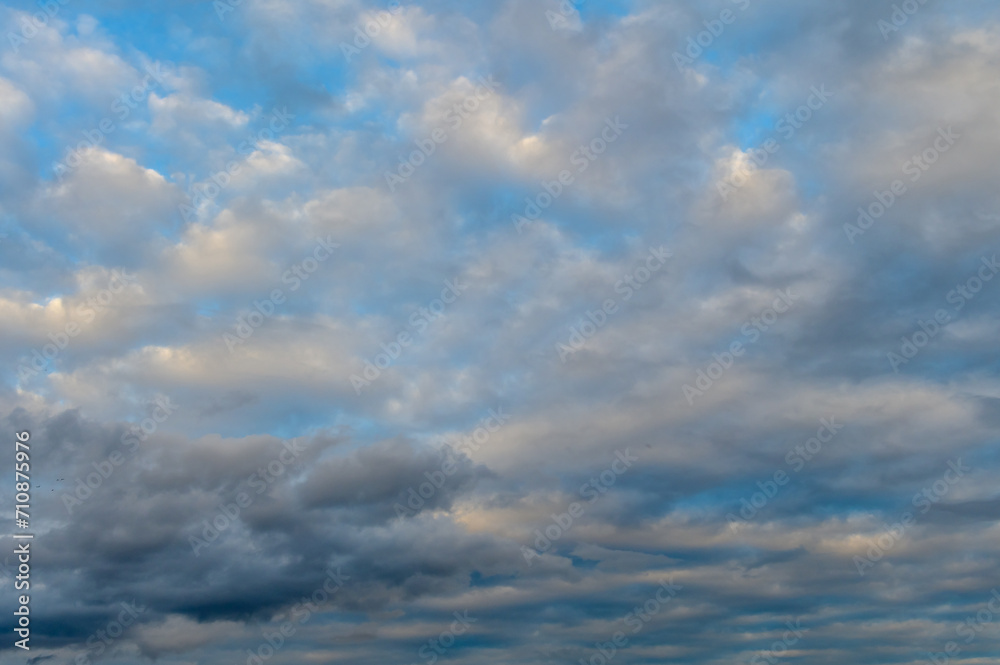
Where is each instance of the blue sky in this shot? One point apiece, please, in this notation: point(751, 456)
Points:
point(314, 298)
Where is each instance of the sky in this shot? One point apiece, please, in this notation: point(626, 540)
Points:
point(510, 333)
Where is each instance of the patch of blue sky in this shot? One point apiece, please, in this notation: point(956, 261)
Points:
point(56, 239)
point(591, 9)
point(283, 421)
point(755, 127)
point(810, 187)
point(208, 308)
point(162, 33)
point(477, 579)
point(584, 564)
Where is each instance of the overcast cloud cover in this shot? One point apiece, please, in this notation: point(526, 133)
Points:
point(676, 320)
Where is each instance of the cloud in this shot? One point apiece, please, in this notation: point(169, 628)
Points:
point(199, 444)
